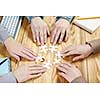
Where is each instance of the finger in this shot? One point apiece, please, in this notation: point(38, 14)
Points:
point(48, 32)
point(41, 37)
point(30, 51)
point(66, 38)
point(16, 57)
point(45, 36)
point(62, 69)
point(65, 66)
point(62, 35)
point(53, 34)
point(25, 55)
point(78, 58)
point(31, 64)
point(37, 37)
point(71, 53)
point(69, 48)
point(37, 68)
point(56, 37)
point(63, 75)
point(33, 33)
point(67, 63)
point(35, 76)
point(37, 71)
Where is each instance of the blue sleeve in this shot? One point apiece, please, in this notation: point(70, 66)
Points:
point(8, 78)
point(69, 18)
point(3, 33)
point(30, 17)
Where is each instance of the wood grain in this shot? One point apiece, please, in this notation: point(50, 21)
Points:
point(90, 67)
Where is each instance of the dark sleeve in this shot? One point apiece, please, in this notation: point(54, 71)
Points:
point(8, 78)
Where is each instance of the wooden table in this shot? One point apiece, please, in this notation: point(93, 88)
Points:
point(90, 67)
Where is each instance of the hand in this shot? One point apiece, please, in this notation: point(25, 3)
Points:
point(60, 31)
point(68, 71)
point(28, 71)
point(40, 30)
point(16, 50)
point(80, 51)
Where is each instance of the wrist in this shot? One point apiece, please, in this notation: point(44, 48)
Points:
point(79, 79)
point(8, 40)
point(30, 18)
point(16, 77)
point(68, 18)
point(89, 47)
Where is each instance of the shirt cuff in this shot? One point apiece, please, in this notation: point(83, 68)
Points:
point(8, 78)
point(3, 34)
point(69, 18)
point(95, 45)
point(30, 17)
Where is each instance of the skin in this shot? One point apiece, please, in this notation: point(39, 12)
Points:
point(40, 30)
point(79, 51)
point(17, 50)
point(60, 31)
point(68, 71)
point(28, 71)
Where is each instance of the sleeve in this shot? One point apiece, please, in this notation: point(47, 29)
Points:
point(8, 78)
point(3, 34)
point(95, 44)
point(69, 18)
point(30, 17)
point(79, 80)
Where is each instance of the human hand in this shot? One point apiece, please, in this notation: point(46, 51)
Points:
point(40, 30)
point(79, 51)
point(17, 50)
point(28, 71)
point(60, 31)
point(68, 71)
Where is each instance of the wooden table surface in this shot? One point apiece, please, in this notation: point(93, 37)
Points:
point(90, 67)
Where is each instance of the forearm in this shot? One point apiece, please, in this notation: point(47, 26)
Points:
point(95, 44)
point(79, 80)
point(8, 78)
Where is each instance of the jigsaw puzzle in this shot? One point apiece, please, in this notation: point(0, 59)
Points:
point(47, 62)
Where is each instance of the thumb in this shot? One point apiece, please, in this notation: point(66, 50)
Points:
point(16, 57)
point(78, 58)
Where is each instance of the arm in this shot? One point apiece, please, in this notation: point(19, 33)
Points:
point(14, 48)
point(68, 18)
point(23, 73)
point(3, 33)
point(95, 45)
